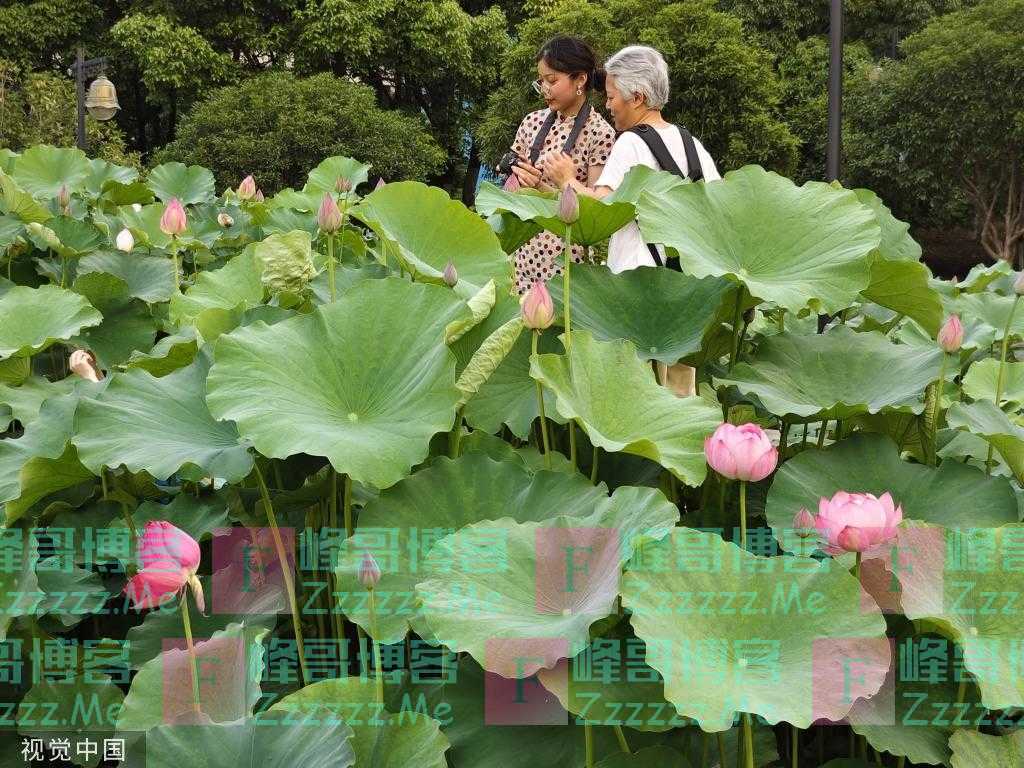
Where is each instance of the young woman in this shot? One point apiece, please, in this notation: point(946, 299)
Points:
point(566, 71)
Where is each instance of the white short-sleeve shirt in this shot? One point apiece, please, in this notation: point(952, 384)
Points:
point(626, 249)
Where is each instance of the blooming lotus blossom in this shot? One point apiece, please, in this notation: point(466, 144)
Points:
point(537, 308)
point(170, 559)
point(741, 452)
point(855, 522)
point(569, 205)
point(329, 215)
point(951, 335)
point(247, 189)
point(173, 220)
point(125, 242)
point(369, 571)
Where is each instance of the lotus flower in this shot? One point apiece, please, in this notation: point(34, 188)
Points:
point(247, 189)
point(369, 571)
point(225, 220)
point(63, 198)
point(803, 524)
point(951, 335)
point(380, 183)
point(537, 308)
point(170, 559)
point(329, 215)
point(342, 184)
point(855, 522)
point(258, 198)
point(450, 275)
point(173, 221)
point(569, 205)
point(512, 184)
point(136, 207)
point(741, 452)
point(125, 242)
point(83, 363)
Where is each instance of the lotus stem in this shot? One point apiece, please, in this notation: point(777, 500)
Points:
point(737, 314)
point(103, 482)
point(63, 268)
point(593, 467)
point(794, 749)
point(455, 436)
point(572, 442)
point(902, 761)
point(623, 744)
point(936, 405)
point(540, 406)
point(289, 582)
point(193, 666)
point(347, 505)
point(748, 741)
point(330, 267)
point(856, 566)
point(704, 749)
point(743, 514)
point(961, 690)
point(379, 677)
point(567, 294)
point(588, 744)
point(174, 261)
point(720, 737)
point(783, 437)
point(821, 433)
point(1002, 373)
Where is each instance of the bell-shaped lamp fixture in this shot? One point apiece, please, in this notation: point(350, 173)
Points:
point(101, 101)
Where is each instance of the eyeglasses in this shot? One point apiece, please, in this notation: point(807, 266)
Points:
point(538, 86)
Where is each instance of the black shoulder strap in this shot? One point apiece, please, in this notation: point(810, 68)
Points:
point(657, 146)
point(693, 167)
point(577, 128)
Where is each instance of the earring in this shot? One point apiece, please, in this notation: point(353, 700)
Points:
point(579, 91)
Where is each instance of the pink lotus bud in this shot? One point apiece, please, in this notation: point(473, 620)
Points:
point(951, 335)
point(83, 363)
point(380, 183)
point(741, 452)
point(342, 185)
point(803, 524)
point(855, 522)
point(225, 220)
point(369, 571)
point(329, 215)
point(512, 184)
point(569, 205)
point(247, 189)
point(170, 559)
point(1018, 284)
point(537, 308)
point(63, 197)
point(173, 221)
point(451, 275)
point(258, 197)
point(125, 242)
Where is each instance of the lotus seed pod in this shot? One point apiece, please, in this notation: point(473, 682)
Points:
point(225, 220)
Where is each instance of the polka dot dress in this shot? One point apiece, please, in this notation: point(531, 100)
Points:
point(540, 258)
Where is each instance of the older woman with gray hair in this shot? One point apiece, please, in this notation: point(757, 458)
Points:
point(636, 90)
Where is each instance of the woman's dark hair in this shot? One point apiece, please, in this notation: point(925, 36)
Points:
point(572, 55)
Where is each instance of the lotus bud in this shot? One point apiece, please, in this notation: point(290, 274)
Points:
point(64, 198)
point(136, 207)
point(951, 335)
point(225, 220)
point(369, 571)
point(512, 184)
point(258, 198)
point(451, 275)
point(569, 205)
point(247, 189)
point(803, 524)
point(125, 242)
point(343, 185)
point(380, 183)
point(173, 221)
point(537, 308)
point(1018, 284)
point(329, 215)
point(852, 540)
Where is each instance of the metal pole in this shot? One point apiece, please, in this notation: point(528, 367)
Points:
point(80, 88)
point(835, 90)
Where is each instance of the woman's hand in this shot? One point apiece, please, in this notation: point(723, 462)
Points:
point(560, 169)
point(527, 173)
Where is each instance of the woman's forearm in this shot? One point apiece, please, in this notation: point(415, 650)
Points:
point(583, 189)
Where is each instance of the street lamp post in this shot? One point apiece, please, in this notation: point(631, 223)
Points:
point(835, 91)
point(101, 101)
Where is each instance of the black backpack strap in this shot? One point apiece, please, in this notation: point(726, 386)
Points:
point(657, 146)
point(694, 170)
point(577, 128)
point(538, 140)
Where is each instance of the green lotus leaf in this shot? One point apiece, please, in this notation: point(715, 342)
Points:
point(598, 219)
point(795, 246)
point(27, 398)
point(775, 644)
point(371, 406)
point(69, 591)
point(622, 408)
point(7, 159)
point(31, 319)
point(325, 176)
point(144, 225)
point(512, 231)
point(634, 305)
point(190, 184)
point(10, 229)
point(263, 741)
point(127, 326)
point(480, 306)
point(428, 229)
point(285, 261)
point(42, 170)
point(952, 494)
point(981, 276)
point(487, 358)
point(966, 581)
point(980, 381)
point(76, 709)
point(837, 374)
point(102, 173)
point(978, 750)
point(15, 370)
point(150, 278)
point(438, 500)
point(983, 419)
point(158, 425)
point(902, 286)
point(504, 592)
point(17, 203)
point(896, 243)
point(117, 194)
point(381, 739)
point(169, 354)
point(235, 285)
point(640, 179)
point(985, 316)
point(19, 584)
point(286, 219)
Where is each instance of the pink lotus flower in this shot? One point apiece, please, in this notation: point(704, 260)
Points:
point(173, 221)
point(741, 452)
point(64, 198)
point(512, 184)
point(855, 522)
point(369, 571)
point(951, 335)
point(450, 275)
point(258, 198)
point(343, 185)
point(569, 205)
point(247, 189)
point(537, 308)
point(329, 215)
point(170, 559)
point(380, 183)
point(803, 524)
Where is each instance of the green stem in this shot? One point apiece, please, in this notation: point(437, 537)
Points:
point(347, 506)
point(593, 467)
point(194, 672)
point(330, 266)
point(856, 566)
point(588, 744)
point(720, 737)
point(902, 761)
point(455, 436)
point(821, 433)
point(737, 314)
point(567, 294)
point(783, 438)
point(289, 583)
point(572, 443)
point(379, 680)
point(103, 481)
point(540, 406)
point(794, 749)
point(63, 268)
point(623, 744)
point(961, 690)
point(934, 436)
point(174, 260)
point(743, 514)
point(1002, 373)
point(748, 740)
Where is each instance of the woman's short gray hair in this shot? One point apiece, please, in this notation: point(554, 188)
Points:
point(640, 69)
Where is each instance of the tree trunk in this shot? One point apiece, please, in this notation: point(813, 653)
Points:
point(472, 171)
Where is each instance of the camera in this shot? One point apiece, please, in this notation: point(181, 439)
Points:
point(507, 161)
